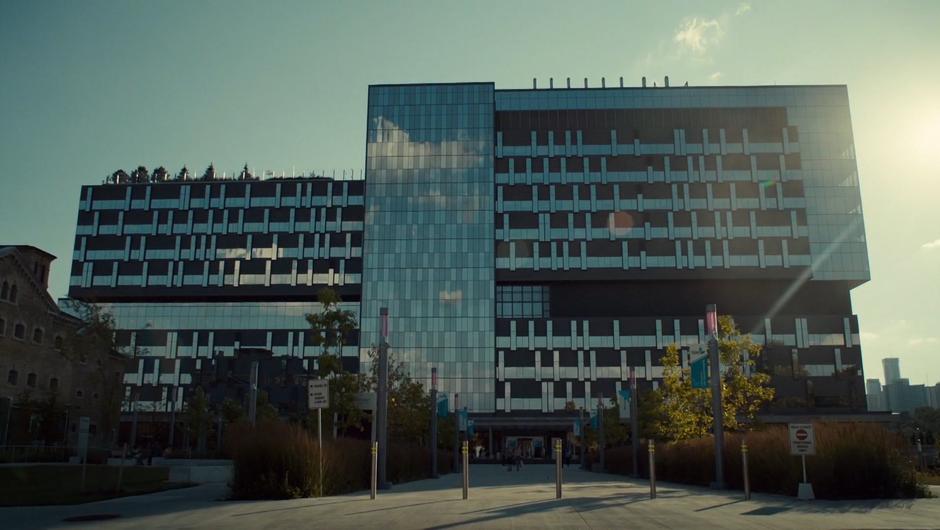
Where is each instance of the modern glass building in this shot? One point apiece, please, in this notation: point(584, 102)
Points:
point(533, 245)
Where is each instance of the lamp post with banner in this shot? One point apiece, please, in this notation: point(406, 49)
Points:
point(711, 327)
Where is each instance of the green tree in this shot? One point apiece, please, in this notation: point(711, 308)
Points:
point(196, 417)
point(265, 411)
point(330, 328)
point(232, 411)
point(409, 403)
point(686, 411)
point(93, 343)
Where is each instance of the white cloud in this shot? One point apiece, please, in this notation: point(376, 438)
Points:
point(919, 341)
point(715, 76)
point(697, 35)
point(931, 245)
point(868, 335)
point(451, 296)
point(743, 8)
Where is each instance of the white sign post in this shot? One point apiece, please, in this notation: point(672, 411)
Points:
point(802, 443)
point(318, 397)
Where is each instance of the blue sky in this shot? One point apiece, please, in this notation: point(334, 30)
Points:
point(89, 87)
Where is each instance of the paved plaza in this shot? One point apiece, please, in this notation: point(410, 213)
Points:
point(498, 499)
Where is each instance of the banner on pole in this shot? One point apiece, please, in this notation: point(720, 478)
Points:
point(442, 405)
point(698, 365)
point(623, 404)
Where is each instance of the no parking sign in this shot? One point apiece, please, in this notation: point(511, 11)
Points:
point(802, 439)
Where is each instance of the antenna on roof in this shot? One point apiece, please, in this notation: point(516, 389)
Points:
point(621, 81)
point(666, 83)
point(585, 82)
point(534, 84)
point(603, 83)
point(644, 81)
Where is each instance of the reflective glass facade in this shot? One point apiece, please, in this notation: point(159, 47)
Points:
point(534, 246)
point(428, 242)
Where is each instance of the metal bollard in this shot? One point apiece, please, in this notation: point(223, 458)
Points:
point(466, 469)
point(652, 451)
point(375, 469)
point(747, 477)
point(121, 469)
point(558, 468)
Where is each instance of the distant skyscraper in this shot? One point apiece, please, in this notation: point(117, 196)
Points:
point(874, 395)
point(892, 370)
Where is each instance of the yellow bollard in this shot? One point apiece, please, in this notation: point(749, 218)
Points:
point(652, 451)
point(375, 468)
point(466, 469)
point(747, 478)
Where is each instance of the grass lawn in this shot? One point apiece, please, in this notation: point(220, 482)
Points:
point(61, 484)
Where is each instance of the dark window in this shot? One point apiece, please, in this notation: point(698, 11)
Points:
point(58, 342)
point(37, 335)
point(5, 290)
point(13, 293)
point(12, 376)
point(19, 331)
point(522, 301)
point(79, 393)
point(53, 383)
point(31, 380)
point(3, 327)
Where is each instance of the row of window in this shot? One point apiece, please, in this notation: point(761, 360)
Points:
point(19, 332)
point(8, 292)
point(13, 377)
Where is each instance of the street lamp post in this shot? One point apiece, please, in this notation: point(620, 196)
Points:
point(434, 422)
point(711, 325)
point(382, 397)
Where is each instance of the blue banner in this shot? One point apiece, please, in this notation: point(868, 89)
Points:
point(699, 369)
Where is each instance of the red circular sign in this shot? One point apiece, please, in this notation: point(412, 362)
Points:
point(801, 434)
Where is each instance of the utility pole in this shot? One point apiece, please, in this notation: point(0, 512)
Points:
point(253, 394)
point(456, 432)
point(382, 399)
point(434, 422)
point(601, 440)
point(583, 439)
point(714, 359)
point(634, 422)
point(172, 416)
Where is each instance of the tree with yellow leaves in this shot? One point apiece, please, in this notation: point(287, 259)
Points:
point(686, 412)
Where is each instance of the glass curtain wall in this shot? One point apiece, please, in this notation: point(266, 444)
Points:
point(429, 234)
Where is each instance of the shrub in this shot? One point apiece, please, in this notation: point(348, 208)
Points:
point(852, 461)
point(278, 461)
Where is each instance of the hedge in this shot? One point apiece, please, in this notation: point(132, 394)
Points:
point(852, 461)
point(280, 461)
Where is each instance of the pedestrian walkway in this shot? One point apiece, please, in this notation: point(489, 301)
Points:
point(498, 499)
